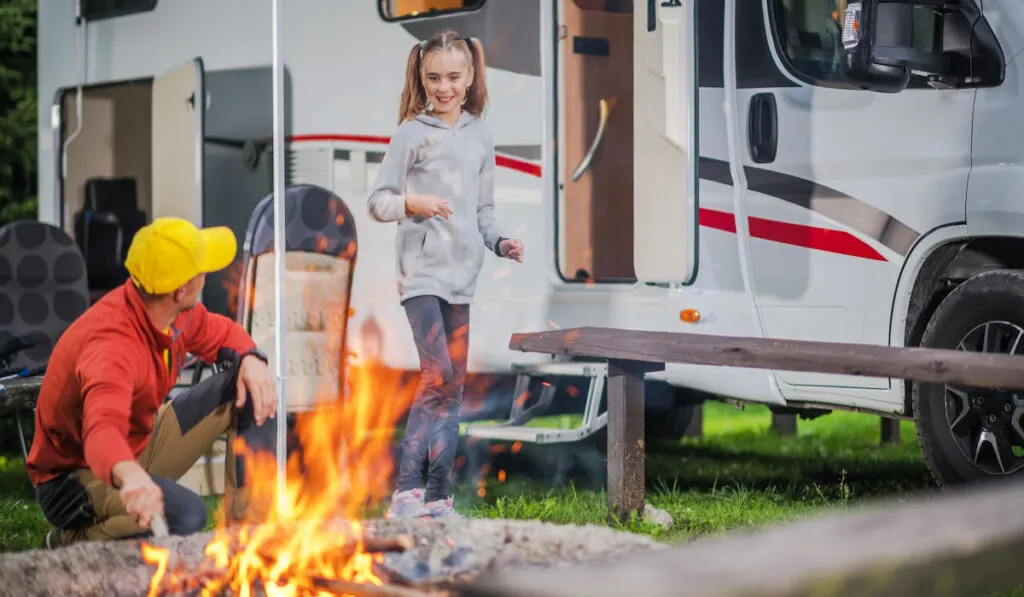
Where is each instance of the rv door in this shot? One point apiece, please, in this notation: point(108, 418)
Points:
point(177, 137)
point(665, 148)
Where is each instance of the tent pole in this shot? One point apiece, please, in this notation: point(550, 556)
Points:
point(279, 257)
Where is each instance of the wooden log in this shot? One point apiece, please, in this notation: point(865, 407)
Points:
point(970, 369)
point(19, 395)
point(962, 543)
point(626, 451)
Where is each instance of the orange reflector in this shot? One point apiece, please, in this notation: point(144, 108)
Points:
point(689, 315)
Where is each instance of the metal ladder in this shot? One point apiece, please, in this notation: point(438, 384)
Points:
point(515, 428)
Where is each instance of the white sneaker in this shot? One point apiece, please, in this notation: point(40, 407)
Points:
point(442, 509)
point(407, 504)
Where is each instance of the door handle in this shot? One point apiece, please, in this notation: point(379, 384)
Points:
point(762, 128)
point(585, 163)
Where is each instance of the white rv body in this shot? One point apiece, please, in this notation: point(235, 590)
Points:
point(824, 242)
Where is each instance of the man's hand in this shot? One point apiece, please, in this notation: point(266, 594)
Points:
point(140, 495)
point(427, 206)
point(512, 248)
point(254, 376)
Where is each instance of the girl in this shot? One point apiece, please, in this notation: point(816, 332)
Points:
point(437, 182)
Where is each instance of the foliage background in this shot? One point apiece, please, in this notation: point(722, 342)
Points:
point(18, 114)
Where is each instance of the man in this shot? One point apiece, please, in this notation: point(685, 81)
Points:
point(108, 449)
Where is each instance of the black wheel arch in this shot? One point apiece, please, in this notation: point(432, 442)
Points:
point(947, 267)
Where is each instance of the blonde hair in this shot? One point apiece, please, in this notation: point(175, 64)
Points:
point(414, 96)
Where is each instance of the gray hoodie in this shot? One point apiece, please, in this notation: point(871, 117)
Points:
point(427, 156)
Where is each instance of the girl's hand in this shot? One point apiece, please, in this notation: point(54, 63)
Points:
point(427, 206)
point(512, 248)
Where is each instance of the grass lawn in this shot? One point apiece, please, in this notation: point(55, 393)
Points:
point(739, 476)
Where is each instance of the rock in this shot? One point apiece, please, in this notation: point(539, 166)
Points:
point(443, 549)
point(659, 517)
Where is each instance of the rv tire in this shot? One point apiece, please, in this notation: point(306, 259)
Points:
point(949, 438)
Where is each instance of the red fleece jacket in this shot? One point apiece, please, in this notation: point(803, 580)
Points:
point(107, 377)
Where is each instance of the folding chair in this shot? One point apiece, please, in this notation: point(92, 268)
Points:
point(321, 248)
point(320, 244)
point(43, 289)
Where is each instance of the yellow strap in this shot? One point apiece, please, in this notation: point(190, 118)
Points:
point(167, 352)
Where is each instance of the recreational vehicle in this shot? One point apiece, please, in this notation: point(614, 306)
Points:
point(804, 169)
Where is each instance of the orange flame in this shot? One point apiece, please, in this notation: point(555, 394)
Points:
point(341, 467)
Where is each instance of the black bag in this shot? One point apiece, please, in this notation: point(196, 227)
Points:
point(65, 503)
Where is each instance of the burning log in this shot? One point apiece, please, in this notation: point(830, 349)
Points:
point(341, 587)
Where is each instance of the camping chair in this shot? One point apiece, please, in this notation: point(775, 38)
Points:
point(320, 243)
point(43, 290)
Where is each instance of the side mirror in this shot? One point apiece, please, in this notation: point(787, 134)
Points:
point(883, 41)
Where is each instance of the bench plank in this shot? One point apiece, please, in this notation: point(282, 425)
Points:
point(969, 369)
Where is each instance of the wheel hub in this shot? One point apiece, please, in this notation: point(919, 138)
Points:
point(987, 424)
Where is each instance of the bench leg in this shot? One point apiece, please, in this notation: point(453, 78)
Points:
point(784, 424)
point(890, 431)
point(626, 450)
point(21, 434)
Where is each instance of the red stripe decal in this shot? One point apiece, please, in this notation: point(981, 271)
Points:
point(719, 220)
point(503, 161)
point(799, 235)
point(821, 239)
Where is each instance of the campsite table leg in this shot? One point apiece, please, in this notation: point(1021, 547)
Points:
point(626, 450)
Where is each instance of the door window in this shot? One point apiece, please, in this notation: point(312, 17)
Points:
point(394, 10)
point(808, 33)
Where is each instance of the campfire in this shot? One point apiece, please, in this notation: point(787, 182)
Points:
point(310, 541)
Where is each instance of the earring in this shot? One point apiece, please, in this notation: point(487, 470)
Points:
point(430, 107)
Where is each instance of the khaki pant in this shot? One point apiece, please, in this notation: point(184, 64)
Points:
point(185, 429)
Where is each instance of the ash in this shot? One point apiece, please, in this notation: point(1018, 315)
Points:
point(457, 549)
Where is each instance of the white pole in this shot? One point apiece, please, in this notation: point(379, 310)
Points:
point(279, 254)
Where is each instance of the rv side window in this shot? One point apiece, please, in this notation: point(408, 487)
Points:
point(397, 10)
point(94, 10)
point(808, 33)
point(606, 5)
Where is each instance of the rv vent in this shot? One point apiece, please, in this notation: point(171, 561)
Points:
point(310, 165)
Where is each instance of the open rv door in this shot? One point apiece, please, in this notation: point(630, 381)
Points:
point(665, 141)
point(178, 129)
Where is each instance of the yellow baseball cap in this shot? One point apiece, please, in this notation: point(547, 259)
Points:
point(168, 252)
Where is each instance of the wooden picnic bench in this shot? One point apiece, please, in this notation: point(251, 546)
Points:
point(632, 353)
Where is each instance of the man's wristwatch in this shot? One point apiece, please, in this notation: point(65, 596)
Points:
point(256, 352)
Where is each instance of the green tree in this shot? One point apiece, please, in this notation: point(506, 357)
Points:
point(18, 114)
